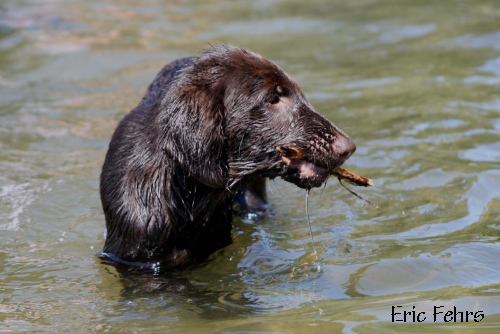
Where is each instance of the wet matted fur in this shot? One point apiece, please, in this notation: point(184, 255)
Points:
point(206, 130)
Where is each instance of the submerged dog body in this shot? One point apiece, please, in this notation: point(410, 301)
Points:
point(206, 130)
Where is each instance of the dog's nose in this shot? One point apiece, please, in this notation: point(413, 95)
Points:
point(343, 147)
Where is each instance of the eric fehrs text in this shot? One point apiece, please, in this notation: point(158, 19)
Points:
point(440, 313)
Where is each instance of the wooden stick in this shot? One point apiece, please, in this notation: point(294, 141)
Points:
point(352, 178)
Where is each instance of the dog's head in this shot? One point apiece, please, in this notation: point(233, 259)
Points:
point(243, 116)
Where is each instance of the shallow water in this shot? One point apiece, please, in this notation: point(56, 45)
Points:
point(415, 83)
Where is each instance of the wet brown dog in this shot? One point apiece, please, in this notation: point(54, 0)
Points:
point(206, 133)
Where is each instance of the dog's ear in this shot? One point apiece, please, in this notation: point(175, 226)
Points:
point(194, 119)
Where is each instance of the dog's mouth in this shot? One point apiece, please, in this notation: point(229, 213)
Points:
point(301, 172)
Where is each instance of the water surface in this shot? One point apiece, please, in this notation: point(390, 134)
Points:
point(416, 84)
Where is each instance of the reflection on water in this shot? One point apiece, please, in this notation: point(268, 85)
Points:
point(415, 84)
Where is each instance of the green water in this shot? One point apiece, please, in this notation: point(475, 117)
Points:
point(415, 83)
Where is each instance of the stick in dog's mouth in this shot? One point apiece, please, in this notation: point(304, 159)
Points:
point(352, 178)
point(355, 179)
point(341, 173)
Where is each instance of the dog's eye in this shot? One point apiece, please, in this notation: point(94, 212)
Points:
point(275, 99)
point(279, 92)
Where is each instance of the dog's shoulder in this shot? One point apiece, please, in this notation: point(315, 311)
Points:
point(163, 80)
